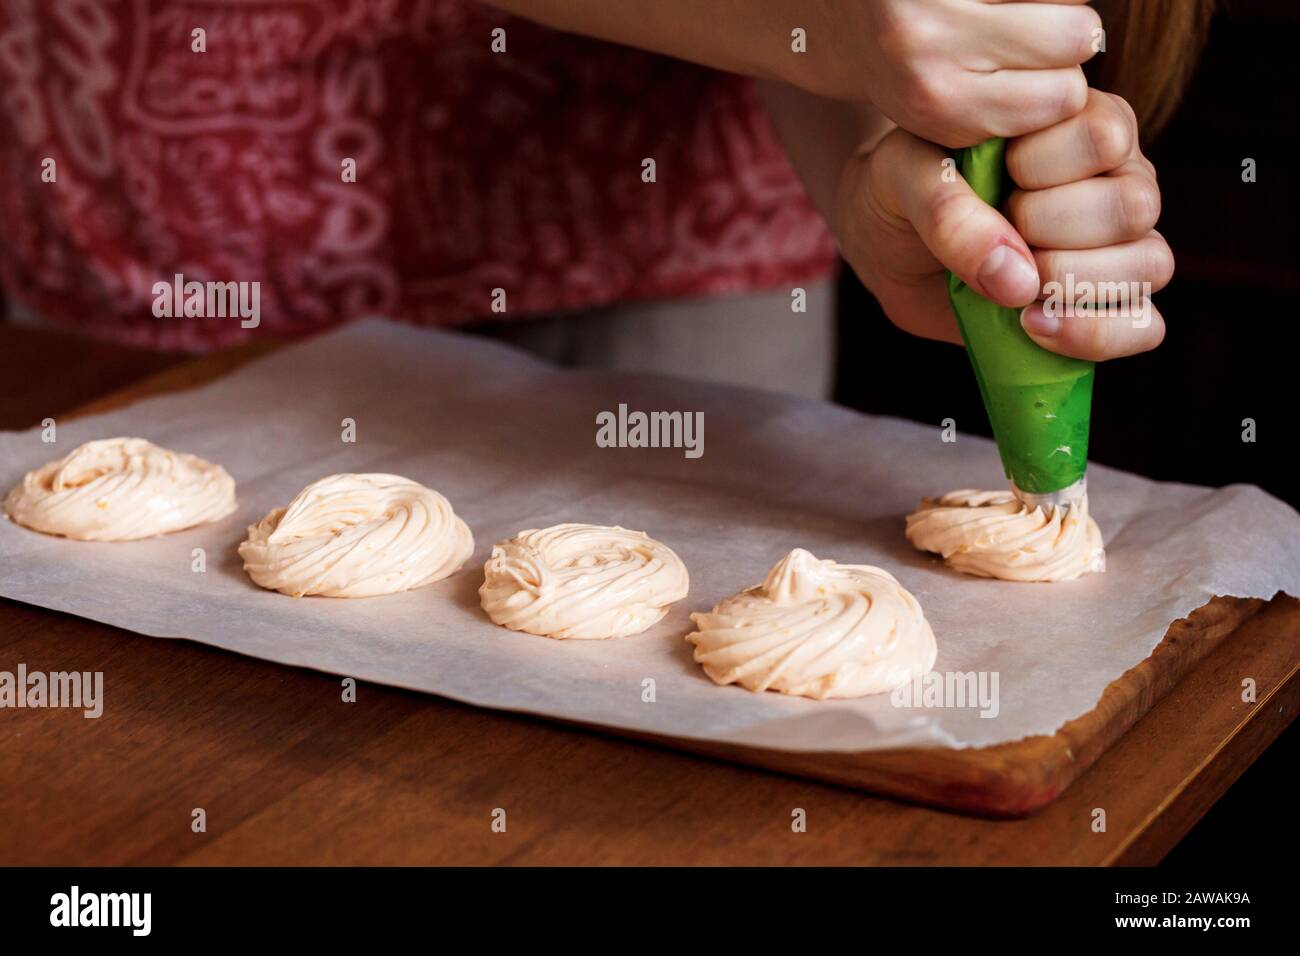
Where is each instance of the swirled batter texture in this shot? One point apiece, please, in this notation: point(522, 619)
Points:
point(993, 534)
point(353, 536)
point(581, 581)
point(121, 489)
point(816, 629)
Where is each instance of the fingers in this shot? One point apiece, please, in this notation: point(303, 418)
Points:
point(959, 229)
point(1033, 36)
point(1016, 102)
point(1084, 182)
point(1121, 207)
point(1082, 334)
point(915, 217)
point(1099, 139)
point(961, 109)
point(1097, 302)
point(1148, 260)
point(1088, 204)
point(960, 72)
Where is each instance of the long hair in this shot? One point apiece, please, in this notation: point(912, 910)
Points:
point(1152, 47)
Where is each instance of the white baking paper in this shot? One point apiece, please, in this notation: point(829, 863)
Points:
point(511, 442)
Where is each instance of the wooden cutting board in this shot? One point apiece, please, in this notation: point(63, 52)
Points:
point(1006, 780)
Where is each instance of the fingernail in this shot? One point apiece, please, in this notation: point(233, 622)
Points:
point(1035, 320)
point(1008, 277)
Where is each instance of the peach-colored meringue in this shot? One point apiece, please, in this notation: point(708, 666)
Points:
point(356, 536)
point(817, 629)
point(994, 534)
point(581, 581)
point(121, 489)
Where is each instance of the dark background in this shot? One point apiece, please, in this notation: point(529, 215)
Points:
point(1230, 352)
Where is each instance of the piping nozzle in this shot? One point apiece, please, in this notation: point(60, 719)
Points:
point(1061, 500)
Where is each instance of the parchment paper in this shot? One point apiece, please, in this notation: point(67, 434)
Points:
point(511, 442)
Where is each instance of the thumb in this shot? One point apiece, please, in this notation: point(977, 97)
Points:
point(967, 235)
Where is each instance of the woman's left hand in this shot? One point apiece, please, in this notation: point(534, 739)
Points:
point(1084, 211)
point(1087, 206)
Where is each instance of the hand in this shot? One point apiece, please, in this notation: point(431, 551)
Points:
point(954, 72)
point(1086, 205)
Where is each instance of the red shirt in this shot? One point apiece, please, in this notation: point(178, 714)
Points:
point(475, 170)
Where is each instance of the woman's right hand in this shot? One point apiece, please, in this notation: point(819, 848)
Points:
point(954, 72)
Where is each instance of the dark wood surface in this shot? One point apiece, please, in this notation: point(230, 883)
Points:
point(288, 773)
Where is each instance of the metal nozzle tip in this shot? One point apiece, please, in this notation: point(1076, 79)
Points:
point(1054, 499)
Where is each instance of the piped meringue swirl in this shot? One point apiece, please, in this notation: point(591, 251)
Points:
point(816, 629)
point(993, 534)
point(354, 536)
point(581, 581)
point(121, 489)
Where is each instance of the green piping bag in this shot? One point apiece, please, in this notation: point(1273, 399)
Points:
point(1039, 403)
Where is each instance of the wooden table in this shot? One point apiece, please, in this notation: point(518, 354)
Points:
point(289, 774)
